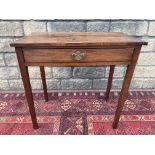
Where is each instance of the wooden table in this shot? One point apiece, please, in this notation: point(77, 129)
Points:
point(77, 49)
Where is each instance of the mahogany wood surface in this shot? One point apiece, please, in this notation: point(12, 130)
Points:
point(43, 78)
point(27, 86)
point(67, 64)
point(109, 85)
point(126, 85)
point(65, 55)
point(77, 49)
point(69, 39)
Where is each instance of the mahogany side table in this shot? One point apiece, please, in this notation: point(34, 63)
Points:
point(77, 49)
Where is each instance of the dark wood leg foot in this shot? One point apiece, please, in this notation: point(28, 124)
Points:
point(114, 126)
point(35, 126)
point(43, 77)
point(109, 85)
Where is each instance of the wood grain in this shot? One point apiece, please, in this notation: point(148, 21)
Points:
point(27, 86)
point(72, 39)
point(126, 85)
point(109, 85)
point(78, 64)
point(65, 55)
point(43, 78)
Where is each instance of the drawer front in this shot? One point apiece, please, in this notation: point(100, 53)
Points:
point(77, 55)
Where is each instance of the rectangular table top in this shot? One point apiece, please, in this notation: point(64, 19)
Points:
point(78, 39)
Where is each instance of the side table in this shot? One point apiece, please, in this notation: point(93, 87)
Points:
point(77, 49)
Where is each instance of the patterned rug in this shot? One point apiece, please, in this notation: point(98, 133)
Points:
point(78, 113)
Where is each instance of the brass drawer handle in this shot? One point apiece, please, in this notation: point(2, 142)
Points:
point(78, 55)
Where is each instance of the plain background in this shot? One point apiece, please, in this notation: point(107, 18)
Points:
point(77, 9)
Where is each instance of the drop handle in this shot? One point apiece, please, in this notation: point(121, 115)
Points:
point(78, 55)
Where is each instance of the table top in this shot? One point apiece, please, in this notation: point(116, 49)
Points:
point(78, 39)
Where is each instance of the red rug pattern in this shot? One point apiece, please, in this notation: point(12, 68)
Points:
point(82, 113)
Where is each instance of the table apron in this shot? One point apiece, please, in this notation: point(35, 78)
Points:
point(76, 57)
point(77, 64)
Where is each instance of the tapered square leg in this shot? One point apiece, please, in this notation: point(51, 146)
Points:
point(123, 96)
point(43, 78)
point(126, 85)
point(110, 78)
point(27, 86)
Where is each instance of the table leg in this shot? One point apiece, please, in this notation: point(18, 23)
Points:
point(27, 86)
point(126, 85)
point(110, 78)
point(43, 77)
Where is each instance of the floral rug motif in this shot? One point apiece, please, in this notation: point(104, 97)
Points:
point(80, 113)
